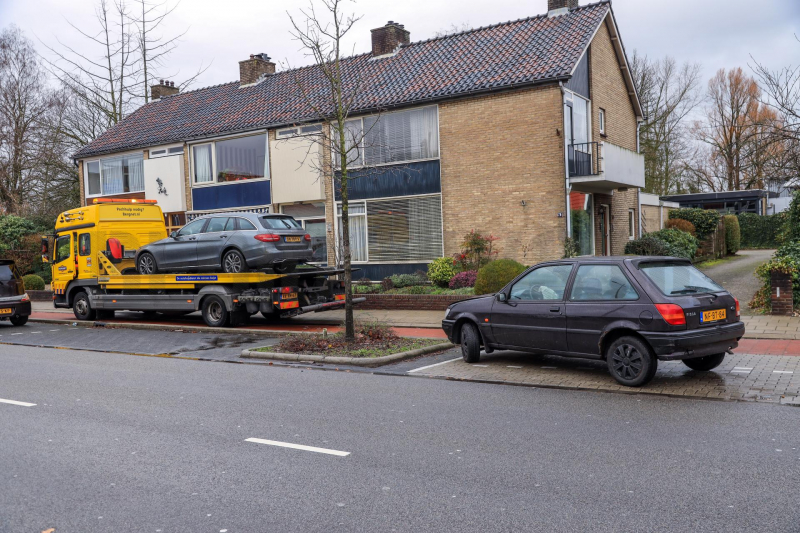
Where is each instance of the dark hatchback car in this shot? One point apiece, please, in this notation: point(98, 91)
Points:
point(15, 305)
point(628, 311)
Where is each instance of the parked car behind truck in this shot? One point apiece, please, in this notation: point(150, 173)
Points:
point(15, 306)
point(629, 311)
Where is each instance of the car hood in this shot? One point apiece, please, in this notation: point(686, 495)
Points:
point(473, 301)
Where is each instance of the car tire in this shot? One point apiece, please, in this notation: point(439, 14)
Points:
point(82, 308)
point(631, 361)
point(704, 364)
point(284, 268)
point(215, 314)
point(19, 320)
point(470, 343)
point(233, 262)
point(146, 264)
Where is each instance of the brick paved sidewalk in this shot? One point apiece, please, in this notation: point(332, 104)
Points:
point(743, 377)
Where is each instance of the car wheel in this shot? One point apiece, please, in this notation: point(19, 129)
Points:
point(19, 320)
point(706, 363)
point(233, 262)
point(470, 343)
point(631, 361)
point(283, 268)
point(214, 312)
point(82, 308)
point(146, 264)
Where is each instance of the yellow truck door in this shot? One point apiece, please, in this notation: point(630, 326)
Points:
point(64, 261)
point(87, 267)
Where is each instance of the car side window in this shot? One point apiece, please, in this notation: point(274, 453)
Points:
point(216, 225)
point(246, 225)
point(85, 244)
point(230, 225)
point(545, 283)
point(62, 248)
point(601, 282)
point(192, 228)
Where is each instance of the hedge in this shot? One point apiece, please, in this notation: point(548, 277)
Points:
point(495, 275)
point(705, 220)
point(33, 282)
point(761, 231)
point(733, 235)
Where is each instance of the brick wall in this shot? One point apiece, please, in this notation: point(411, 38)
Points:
point(81, 183)
point(781, 294)
point(409, 302)
point(651, 218)
point(496, 152)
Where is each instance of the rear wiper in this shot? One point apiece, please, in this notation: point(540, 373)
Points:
point(694, 289)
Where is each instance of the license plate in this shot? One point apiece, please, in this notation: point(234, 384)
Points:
point(5, 311)
point(713, 316)
point(289, 296)
point(294, 239)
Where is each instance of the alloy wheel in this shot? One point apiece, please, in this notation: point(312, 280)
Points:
point(627, 361)
point(146, 265)
point(233, 263)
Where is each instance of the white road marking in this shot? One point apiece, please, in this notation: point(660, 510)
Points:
point(53, 330)
point(433, 365)
point(740, 371)
point(783, 372)
point(743, 368)
point(482, 366)
point(16, 333)
point(299, 447)
point(511, 366)
point(15, 402)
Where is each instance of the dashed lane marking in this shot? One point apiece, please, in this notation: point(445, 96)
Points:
point(15, 402)
point(433, 365)
point(299, 447)
point(783, 372)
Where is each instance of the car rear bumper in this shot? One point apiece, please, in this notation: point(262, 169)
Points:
point(695, 343)
point(273, 258)
point(17, 308)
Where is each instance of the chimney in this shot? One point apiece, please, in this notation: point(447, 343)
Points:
point(164, 88)
point(251, 70)
point(560, 7)
point(385, 40)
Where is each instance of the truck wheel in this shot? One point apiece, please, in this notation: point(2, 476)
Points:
point(233, 262)
point(631, 362)
point(82, 308)
point(19, 320)
point(146, 264)
point(470, 343)
point(214, 312)
point(706, 363)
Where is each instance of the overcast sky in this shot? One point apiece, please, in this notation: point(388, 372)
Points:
point(715, 33)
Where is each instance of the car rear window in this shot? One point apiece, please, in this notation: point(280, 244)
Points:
point(7, 273)
point(280, 223)
point(675, 279)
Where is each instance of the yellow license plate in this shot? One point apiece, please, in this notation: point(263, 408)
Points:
point(294, 239)
point(713, 316)
point(5, 311)
point(289, 296)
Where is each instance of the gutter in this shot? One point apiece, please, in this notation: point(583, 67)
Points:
point(567, 184)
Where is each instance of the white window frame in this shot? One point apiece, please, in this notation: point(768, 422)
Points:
point(601, 121)
point(164, 151)
point(303, 220)
point(297, 131)
point(336, 216)
point(362, 147)
point(631, 224)
point(99, 160)
point(213, 142)
point(570, 97)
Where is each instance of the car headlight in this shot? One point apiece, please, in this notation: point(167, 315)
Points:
point(447, 312)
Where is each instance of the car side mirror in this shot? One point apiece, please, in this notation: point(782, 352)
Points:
point(174, 235)
point(45, 250)
point(501, 297)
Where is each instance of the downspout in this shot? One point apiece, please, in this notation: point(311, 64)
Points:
point(567, 187)
point(639, 191)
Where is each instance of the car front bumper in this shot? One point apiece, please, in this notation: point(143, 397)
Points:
point(447, 326)
point(17, 308)
point(696, 342)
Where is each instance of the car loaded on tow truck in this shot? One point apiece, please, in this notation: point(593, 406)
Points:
point(94, 273)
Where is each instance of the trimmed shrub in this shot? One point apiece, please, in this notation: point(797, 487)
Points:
point(681, 243)
point(33, 282)
point(649, 245)
point(762, 231)
point(406, 280)
point(570, 248)
point(704, 220)
point(793, 222)
point(464, 279)
point(441, 271)
point(681, 224)
point(733, 234)
point(495, 275)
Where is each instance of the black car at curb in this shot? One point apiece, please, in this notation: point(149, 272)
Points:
point(629, 311)
point(15, 305)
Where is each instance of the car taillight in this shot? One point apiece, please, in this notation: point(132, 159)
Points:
point(738, 309)
point(307, 237)
point(672, 314)
point(267, 237)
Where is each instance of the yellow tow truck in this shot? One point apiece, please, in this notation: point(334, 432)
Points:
point(94, 273)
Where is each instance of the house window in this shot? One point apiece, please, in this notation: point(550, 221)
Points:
point(397, 137)
point(163, 152)
point(115, 175)
point(631, 224)
point(312, 217)
point(580, 120)
point(357, 217)
point(228, 160)
point(601, 121)
point(301, 130)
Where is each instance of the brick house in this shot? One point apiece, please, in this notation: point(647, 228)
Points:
point(527, 130)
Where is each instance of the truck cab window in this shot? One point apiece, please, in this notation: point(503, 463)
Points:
point(84, 244)
point(63, 250)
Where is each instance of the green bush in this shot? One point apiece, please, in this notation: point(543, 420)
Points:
point(681, 243)
point(12, 231)
point(762, 231)
point(441, 271)
point(681, 224)
point(793, 222)
point(406, 280)
point(649, 245)
point(788, 264)
point(733, 234)
point(495, 275)
point(33, 282)
point(705, 220)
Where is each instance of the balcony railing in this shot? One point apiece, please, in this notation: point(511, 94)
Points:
point(584, 159)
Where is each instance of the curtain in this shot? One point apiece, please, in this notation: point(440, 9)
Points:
point(402, 136)
point(358, 231)
point(202, 164)
point(136, 174)
point(111, 170)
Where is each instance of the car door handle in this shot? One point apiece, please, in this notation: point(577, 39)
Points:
point(192, 238)
point(223, 236)
point(555, 309)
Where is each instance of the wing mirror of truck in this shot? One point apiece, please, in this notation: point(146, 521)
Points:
point(500, 297)
point(45, 250)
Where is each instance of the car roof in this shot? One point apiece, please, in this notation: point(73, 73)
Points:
point(633, 259)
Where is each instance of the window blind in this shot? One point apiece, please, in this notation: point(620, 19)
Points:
point(405, 229)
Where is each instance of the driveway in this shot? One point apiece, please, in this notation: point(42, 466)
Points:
point(738, 275)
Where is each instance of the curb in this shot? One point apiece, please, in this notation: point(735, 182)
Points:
point(168, 327)
point(338, 360)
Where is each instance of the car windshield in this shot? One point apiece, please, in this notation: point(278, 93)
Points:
point(280, 223)
point(679, 278)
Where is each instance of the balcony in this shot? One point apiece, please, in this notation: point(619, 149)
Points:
point(602, 167)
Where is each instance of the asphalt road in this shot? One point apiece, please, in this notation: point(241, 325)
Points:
point(124, 443)
point(738, 275)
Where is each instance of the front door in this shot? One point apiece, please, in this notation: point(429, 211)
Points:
point(212, 241)
point(181, 251)
point(64, 260)
point(605, 231)
point(533, 314)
